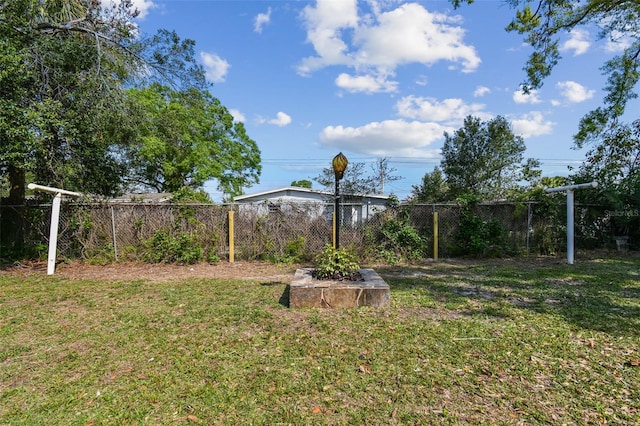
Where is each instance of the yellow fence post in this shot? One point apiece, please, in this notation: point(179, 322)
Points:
point(435, 235)
point(231, 242)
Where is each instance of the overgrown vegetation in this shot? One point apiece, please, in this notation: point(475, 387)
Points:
point(478, 237)
point(336, 264)
point(396, 240)
point(464, 343)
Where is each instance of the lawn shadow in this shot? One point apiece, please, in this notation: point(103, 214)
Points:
point(284, 298)
point(597, 296)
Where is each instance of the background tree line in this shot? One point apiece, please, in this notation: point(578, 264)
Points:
point(88, 103)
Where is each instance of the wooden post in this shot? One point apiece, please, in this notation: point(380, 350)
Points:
point(231, 235)
point(435, 235)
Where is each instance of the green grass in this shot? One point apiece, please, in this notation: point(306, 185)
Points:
point(500, 342)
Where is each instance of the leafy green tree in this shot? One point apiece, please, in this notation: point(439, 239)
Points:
point(615, 165)
point(432, 189)
point(483, 159)
point(304, 183)
point(185, 138)
point(67, 63)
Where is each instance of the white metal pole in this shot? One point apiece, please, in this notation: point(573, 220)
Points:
point(53, 233)
point(570, 228)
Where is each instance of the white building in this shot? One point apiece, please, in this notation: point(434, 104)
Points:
point(353, 208)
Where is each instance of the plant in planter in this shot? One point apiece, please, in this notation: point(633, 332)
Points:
point(336, 264)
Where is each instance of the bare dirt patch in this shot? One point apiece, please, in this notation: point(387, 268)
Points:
point(263, 271)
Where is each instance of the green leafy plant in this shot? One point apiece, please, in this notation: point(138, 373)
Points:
point(164, 248)
point(334, 263)
point(478, 237)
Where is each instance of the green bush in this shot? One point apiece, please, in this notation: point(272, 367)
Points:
point(334, 263)
point(480, 238)
point(163, 248)
point(396, 240)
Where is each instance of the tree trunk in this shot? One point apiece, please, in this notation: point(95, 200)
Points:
point(12, 220)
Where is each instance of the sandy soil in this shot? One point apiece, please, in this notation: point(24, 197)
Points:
point(157, 272)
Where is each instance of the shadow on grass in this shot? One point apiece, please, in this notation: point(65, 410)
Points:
point(597, 295)
point(284, 299)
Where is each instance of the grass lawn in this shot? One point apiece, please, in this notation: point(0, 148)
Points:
point(498, 342)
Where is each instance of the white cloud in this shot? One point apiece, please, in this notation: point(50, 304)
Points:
point(237, 115)
point(574, 92)
point(398, 138)
point(282, 119)
point(451, 111)
point(382, 41)
point(215, 67)
point(324, 24)
point(618, 42)
point(532, 124)
point(261, 20)
point(520, 97)
point(143, 6)
point(481, 91)
point(366, 83)
point(578, 42)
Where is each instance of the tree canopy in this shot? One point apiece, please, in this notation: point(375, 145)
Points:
point(482, 158)
point(65, 115)
point(185, 138)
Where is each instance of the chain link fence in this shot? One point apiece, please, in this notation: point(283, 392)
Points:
point(297, 232)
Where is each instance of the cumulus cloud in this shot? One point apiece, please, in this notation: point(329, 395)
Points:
point(215, 67)
point(379, 42)
point(481, 91)
point(578, 42)
point(261, 20)
point(366, 83)
point(282, 119)
point(574, 92)
point(391, 137)
point(520, 97)
point(532, 124)
point(451, 111)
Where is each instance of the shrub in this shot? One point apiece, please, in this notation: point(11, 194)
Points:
point(480, 238)
point(163, 248)
point(334, 263)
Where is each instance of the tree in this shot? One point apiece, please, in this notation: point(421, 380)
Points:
point(433, 188)
point(304, 183)
point(185, 138)
point(356, 181)
point(543, 21)
point(67, 65)
point(383, 173)
point(615, 165)
point(482, 158)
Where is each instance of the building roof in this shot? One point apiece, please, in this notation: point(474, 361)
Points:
point(297, 192)
point(151, 197)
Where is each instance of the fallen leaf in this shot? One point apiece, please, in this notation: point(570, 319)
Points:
point(635, 363)
point(364, 369)
point(193, 418)
point(316, 409)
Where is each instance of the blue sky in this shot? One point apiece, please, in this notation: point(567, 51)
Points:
point(380, 79)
